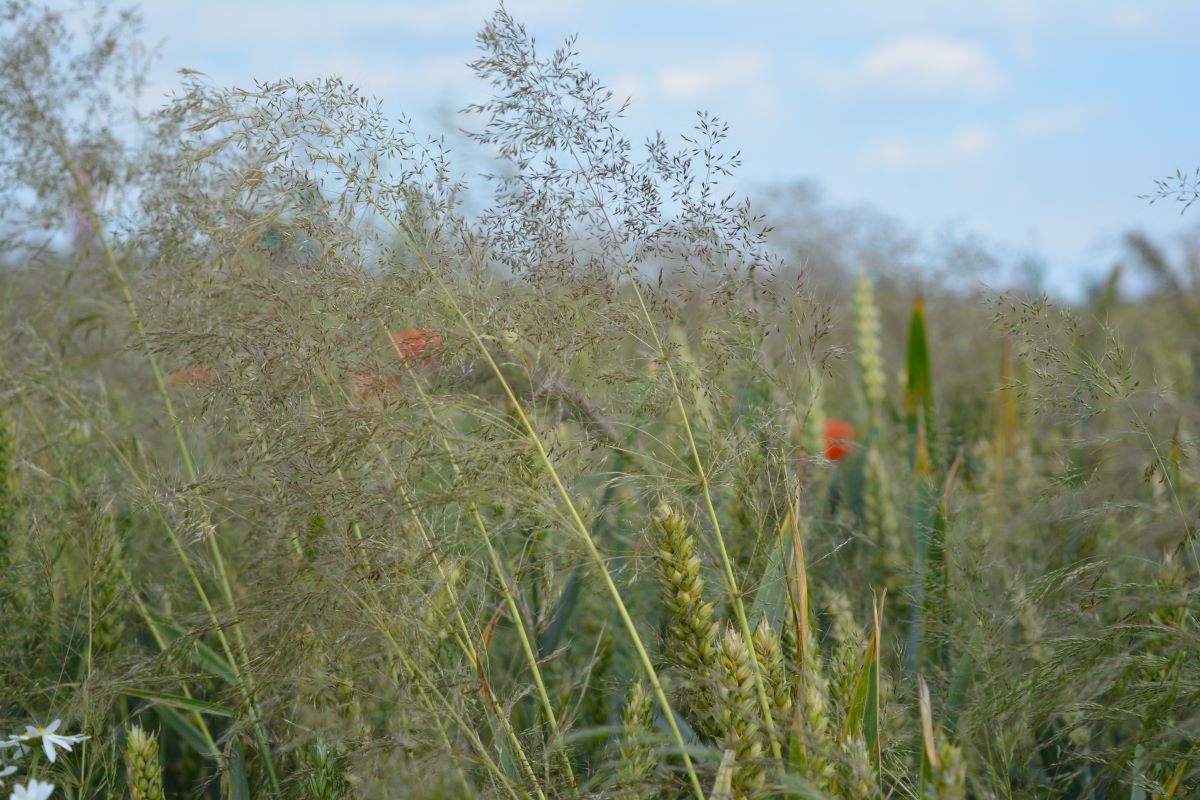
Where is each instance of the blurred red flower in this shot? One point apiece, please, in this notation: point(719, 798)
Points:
point(367, 385)
point(191, 377)
point(839, 439)
point(414, 345)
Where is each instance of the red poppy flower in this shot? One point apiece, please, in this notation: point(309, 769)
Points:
point(413, 346)
point(839, 439)
point(191, 377)
point(367, 385)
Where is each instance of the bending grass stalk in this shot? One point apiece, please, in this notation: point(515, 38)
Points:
point(406, 663)
point(77, 490)
point(735, 594)
point(337, 471)
point(463, 637)
point(466, 643)
point(589, 543)
point(260, 439)
point(413, 669)
point(526, 647)
point(1189, 535)
point(506, 589)
point(172, 535)
point(148, 618)
point(245, 679)
point(180, 552)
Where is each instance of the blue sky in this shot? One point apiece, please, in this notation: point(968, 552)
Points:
point(1033, 124)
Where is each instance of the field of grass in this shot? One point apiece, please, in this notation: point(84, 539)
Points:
point(315, 484)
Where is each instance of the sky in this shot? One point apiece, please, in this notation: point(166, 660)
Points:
point(1034, 125)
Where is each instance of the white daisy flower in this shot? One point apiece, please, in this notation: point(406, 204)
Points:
point(6, 771)
point(36, 790)
point(49, 739)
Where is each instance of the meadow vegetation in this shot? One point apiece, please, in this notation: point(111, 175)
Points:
point(317, 481)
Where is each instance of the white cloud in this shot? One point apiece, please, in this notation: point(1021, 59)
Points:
point(310, 20)
point(740, 70)
point(629, 85)
point(975, 141)
point(1053, 122)
point(736, 80)
point(968, 142)
point(1134, 20)
point(929, 65)
point(434, 74)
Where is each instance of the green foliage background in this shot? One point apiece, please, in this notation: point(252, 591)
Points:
point(582, 538)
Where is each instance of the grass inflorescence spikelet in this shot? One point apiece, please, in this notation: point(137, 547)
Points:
point(881, 520)
point(736, 715)
point(871, 373)
point(812, 721)
point(108, 603)
point(143, 772)
point(769, 648)
point(636, 765)
point(11, 591)
point(692, 631)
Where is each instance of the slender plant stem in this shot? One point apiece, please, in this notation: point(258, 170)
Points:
point(576, 518)
point(424, 683)
point(506, 589)
point(464, 637)
point(245, 679)
point(735, 595)
point(77, 491)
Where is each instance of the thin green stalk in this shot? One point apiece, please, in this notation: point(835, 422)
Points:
point(197, 585)
point(181, 554)
point(526, 647)
point(245, 679)
point(589, 543)
point(505, 587)
point(148, 618)
point(735, 594)
point(726, 563)
point(463, 636)
point(1189, 536)
point(172, 534)
point(77, 490)
point(416, 672)
point(508, 596)
point(260, 439)
point(465, 642)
